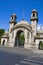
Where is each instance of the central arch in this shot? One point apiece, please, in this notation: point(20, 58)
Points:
point(19, 39)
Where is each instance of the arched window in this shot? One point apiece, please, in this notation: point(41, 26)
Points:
point(33, 14)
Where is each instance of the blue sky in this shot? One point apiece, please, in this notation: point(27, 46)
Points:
point(8, 7)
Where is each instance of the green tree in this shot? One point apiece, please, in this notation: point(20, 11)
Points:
point(1, 33)
point(21, 40)
point(22, 37)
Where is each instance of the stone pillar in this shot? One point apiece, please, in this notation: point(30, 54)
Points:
point(26, 39)
point(14, 37)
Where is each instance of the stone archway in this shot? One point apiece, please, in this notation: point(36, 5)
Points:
point(3, 42)
point(41, 45)
point(19, 39)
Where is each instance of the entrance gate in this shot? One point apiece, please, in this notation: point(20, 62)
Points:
point(19, 40)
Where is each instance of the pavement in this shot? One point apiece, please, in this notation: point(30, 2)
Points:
point(20, 56)
point(38, 51)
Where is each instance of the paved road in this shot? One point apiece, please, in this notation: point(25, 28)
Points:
point(19, 56)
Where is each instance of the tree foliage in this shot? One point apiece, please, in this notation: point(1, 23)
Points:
point(22, 37)
point(1, 33)
point(21, 40)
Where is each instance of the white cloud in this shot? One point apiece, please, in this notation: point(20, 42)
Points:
point(38, 27)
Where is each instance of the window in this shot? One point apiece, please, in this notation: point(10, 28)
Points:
point(12, 18)
point(33, 14)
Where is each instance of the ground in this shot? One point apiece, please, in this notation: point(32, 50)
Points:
point(20, 56)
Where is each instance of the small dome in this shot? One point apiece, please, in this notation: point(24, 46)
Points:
point(5, 35)
point(34, 10)
point(14, 15)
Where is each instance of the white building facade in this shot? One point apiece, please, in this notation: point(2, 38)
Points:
point(23, 34)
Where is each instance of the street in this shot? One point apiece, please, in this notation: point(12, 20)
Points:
point(19, 56)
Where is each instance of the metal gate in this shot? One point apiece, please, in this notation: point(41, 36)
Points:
point(19, 43)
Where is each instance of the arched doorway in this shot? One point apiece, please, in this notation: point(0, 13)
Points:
point(41, 45)
point(19, 40)
point(3, 42)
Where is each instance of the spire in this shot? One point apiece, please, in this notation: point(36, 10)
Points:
point(23, 14)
